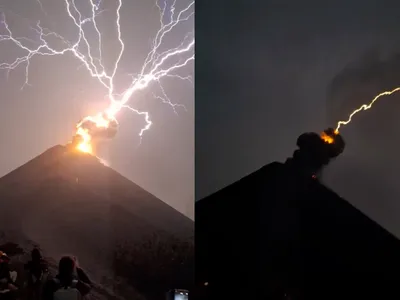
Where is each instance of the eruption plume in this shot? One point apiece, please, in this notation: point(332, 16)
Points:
point(316, 151)
point(93, 128)
point(161, 61)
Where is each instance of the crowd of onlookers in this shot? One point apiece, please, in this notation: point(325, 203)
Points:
point(70, 283)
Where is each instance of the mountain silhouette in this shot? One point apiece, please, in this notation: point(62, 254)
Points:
point(70, 203)
point(283, 235)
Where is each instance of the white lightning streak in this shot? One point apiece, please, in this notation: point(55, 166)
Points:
point(157, 64)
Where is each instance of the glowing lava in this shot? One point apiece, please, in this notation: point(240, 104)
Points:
point(84, 145)
point(328, 138)
point(102, 125)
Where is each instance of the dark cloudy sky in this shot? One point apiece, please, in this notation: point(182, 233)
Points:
point(45, 113)
point(267, 71)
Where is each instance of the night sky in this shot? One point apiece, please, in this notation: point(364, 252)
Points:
point(267, 71)
point(62, 92)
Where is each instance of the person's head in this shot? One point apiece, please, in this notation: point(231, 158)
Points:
point(4, 259)
point(36, 255)
point(66, 266)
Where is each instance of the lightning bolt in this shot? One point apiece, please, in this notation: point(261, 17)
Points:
point(364, 107)
point(157, 65)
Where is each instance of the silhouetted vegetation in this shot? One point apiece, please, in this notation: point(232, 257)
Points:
point(159, 263)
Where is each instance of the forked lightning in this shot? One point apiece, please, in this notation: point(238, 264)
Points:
point(157, 65)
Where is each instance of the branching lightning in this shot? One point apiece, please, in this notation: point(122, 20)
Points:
point(157, 65)
point(330, 138)
point(364, 107)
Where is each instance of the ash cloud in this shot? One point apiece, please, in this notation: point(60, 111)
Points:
point(97, 133)
point(101, 132)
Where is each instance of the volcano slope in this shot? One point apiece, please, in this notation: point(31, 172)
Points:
point(290, 234)
point(126, 238)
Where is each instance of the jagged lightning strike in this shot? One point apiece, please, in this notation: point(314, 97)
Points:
point(330, 138)
point(156, 65)
point(365, 107)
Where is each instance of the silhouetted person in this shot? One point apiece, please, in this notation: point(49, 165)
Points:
point(8, 289)
point(37, 269)
point(71, 282)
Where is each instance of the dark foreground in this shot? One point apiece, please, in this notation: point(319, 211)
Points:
point(130, 242)
point(275, 233)
point(138, 275)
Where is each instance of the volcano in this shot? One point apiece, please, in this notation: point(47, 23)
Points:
point(277, 232)
point(70, 203)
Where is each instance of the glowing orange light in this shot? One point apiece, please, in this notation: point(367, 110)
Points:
point(85, 145)
point(327, 138)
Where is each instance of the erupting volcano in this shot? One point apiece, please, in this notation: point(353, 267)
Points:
point(90, 129)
